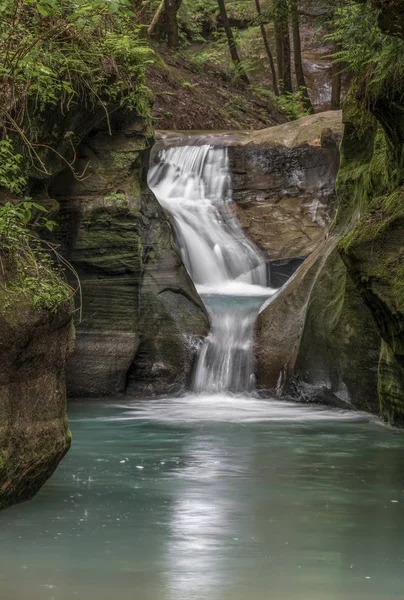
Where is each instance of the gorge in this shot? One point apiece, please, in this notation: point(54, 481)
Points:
point(201, 275)
point(143, 321)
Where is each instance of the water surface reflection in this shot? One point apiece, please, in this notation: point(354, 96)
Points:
point(213, 498)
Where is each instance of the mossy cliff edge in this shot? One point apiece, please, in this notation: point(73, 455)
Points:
point(371, 192)
point(36, 321)
point(35, 343)
point(349, 348)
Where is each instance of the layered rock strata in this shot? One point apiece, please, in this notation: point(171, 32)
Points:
point(141, 318)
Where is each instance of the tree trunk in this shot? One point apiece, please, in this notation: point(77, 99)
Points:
point(297, 51)
point(164, 24)
point(267, 48)
point(232, 42)
point(156, 27)
point(336, 80)
point(170, 9)
point(281, 21)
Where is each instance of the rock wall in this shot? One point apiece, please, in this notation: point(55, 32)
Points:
point(371, 191)
point(141, 317)
point(284, 184)
point(339, 349)
point(34, 432)
point(373, 253)
point(316, 339)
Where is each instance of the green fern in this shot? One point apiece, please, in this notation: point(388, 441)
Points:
point(65, 53)
point(375, 60)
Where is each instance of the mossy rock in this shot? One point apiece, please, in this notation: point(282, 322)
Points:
point(340, 347)
point(371, 219)
point(391, 385)
point(35, 345)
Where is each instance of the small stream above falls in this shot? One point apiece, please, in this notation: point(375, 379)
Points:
point(193, 183)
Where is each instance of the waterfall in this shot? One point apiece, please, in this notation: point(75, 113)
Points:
point(193, 183)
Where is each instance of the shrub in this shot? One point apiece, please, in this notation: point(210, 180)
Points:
point(27, 265)
point(291, 105)
point(68, 53)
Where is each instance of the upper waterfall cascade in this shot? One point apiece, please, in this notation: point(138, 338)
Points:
point(193, 183)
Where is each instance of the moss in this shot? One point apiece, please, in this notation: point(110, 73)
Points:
point(28, 267)
point(134, 191)
point(366, 172)
point(115, 197)
point(43, 290)
point(384, 211)
point(4, 464)
point(390, 386)
point(371, 208)
point(136, 143)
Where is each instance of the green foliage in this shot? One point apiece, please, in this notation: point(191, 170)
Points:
point(11, 177)
point(374, 59)
point(115, 197)
point(253, 51)
point(210, 58)
point(68, 53)
point(292, 105)
point(197, 18)
point(26, 267)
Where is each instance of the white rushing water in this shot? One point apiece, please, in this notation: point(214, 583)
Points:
point(193, 183)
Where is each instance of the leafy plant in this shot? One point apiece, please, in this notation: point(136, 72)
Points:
point(68, 53)
point(188, 84)
point(197, 17)
point(11, 176)
point(375, 60)
point(210, 58)
point(292, 105)
point(26, 264)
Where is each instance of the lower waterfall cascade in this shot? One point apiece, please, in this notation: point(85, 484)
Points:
point(193, 183)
